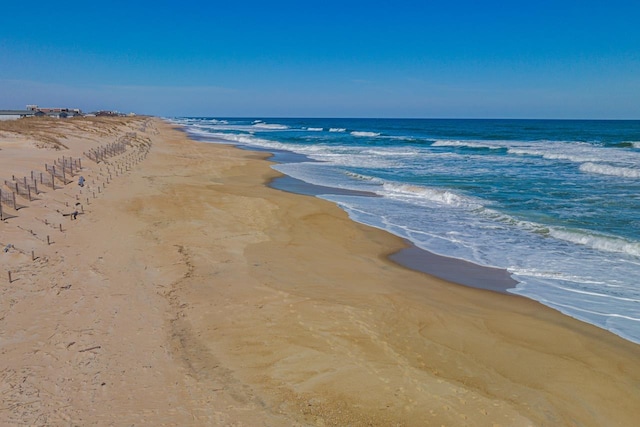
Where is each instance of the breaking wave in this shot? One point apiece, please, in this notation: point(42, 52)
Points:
point(269, 126)
point(604, 169)
point(365, 134)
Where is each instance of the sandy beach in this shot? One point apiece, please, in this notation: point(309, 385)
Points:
point(189, 292)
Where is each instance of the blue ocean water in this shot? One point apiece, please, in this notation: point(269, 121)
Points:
point(554, 202)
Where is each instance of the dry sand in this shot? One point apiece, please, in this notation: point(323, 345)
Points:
point(189, 293)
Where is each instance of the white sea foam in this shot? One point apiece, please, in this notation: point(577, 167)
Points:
point(558, 154)
point(328, 176)
point(604, 169)
point(502, 218)
point(337, 130)
point(593, 293)
point(391, 152)
point(361, 177)
point(201, 122)
point(365, 134)
point(269, 126)
point(426, 194)
point(550, 150)
point(470, 144)
point(576, 152)
point(217, 125)
point(351, 159)
point(315, 129)
point(246, 139)
point(553, 280)
point(200, 131)
point(599, 242)
point(573, 308)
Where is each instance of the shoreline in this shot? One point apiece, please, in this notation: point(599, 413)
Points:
point(190, 292)
point(440, 193)
point(457, 271)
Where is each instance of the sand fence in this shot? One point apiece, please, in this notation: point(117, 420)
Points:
point(113, 159)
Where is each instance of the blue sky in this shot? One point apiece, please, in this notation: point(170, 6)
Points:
point(460, 59)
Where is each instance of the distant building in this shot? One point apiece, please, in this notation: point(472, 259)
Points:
point(107, 113)
point(54, 112)
point(62, 113)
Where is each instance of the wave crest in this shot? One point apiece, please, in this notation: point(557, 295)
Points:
point(468, 144)
point(269, 126)
point(599, 242)
point(369, 134)
point(361, 177)
point(603, 169)
point(555, 155)
point(434, 195)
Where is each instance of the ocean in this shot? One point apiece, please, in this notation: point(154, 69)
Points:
point(555, 203)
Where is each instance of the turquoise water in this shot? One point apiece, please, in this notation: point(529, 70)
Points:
point(554, 202)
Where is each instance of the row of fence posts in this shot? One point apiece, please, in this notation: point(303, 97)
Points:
point(100, 154)
point(28, 187)
point(59, 170)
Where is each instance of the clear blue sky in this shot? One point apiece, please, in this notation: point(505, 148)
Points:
point(376, 58)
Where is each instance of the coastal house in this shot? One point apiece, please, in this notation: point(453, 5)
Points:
point(105, 113)
point(33, 110)
point(54, 112)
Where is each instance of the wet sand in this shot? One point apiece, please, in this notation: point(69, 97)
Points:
point(191, 293)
